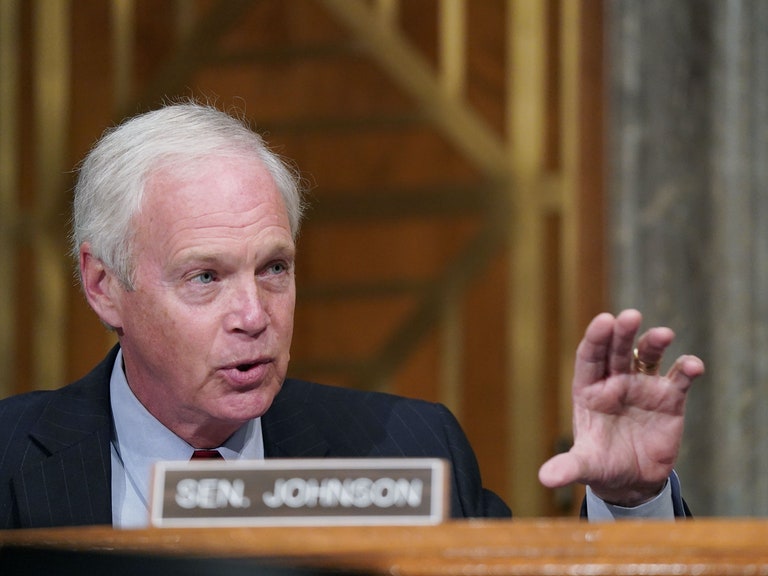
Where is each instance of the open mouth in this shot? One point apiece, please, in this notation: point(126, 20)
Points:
point(246, 372)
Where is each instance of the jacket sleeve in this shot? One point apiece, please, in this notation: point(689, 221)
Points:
point(469, 499)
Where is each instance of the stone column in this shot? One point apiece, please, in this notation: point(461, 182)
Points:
point(688, 183)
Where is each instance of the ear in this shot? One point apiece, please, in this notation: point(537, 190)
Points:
point(102, 288)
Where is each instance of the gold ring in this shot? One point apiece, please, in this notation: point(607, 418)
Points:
point(648, 368)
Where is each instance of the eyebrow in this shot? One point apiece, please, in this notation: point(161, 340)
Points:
point(198, 256)
point(203, 256)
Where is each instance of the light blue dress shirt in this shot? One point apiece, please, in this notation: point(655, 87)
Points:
point(659, 508)
point(135, 429)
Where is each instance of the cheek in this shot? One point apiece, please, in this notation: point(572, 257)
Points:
point(181, 344)
point(155, 320)
point(282, 315)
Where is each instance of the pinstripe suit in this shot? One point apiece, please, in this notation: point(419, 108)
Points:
point(55, 445)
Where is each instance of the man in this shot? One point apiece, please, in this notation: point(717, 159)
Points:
point(184, 230)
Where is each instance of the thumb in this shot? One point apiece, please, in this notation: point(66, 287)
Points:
point(559, 471)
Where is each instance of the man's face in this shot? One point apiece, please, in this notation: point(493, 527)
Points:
point(207, 330)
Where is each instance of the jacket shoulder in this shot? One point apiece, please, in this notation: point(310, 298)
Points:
point(295, 390)
point(85, 398)
point(360, 423)
point(41, 433)
point(19, 412)
point(371, 422)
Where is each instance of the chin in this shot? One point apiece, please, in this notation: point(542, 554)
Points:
point(247, 406)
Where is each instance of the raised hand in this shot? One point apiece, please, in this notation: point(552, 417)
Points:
point(627, 419)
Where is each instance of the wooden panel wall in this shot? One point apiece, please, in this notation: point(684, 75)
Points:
point(453, 249)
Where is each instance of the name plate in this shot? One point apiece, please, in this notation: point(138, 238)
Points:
point(274, 492)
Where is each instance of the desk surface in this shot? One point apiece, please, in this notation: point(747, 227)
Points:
point(474, 547)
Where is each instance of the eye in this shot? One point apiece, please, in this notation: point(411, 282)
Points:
point(277, 268)
point(206, 277)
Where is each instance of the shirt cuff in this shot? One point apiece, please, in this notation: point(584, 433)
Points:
point(660, 507)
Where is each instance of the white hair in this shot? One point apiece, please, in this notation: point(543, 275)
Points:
point(112, 177)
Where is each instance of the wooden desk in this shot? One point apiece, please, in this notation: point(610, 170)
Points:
point(475, 548)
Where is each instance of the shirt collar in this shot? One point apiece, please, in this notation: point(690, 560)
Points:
point(140, 439)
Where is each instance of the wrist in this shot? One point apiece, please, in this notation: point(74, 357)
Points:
point(660, 507)
point(629, 498)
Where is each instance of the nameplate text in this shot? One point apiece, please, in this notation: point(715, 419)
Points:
point(298, 492)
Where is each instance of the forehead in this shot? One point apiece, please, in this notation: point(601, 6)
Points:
point(227, 191)
point(209, 179)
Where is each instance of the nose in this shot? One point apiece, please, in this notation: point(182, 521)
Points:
point(247, 313)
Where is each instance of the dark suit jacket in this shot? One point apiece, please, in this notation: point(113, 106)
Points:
point(55, 465)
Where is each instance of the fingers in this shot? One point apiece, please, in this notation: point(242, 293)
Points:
point(559, 471)
point(593, 349)
point(652, 344)
point(625, 328)
point(685, 369)
point(606, 346)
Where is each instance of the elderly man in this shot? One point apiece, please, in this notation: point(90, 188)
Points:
point(184, 230)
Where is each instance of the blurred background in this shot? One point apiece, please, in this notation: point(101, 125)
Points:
point(485, 176)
